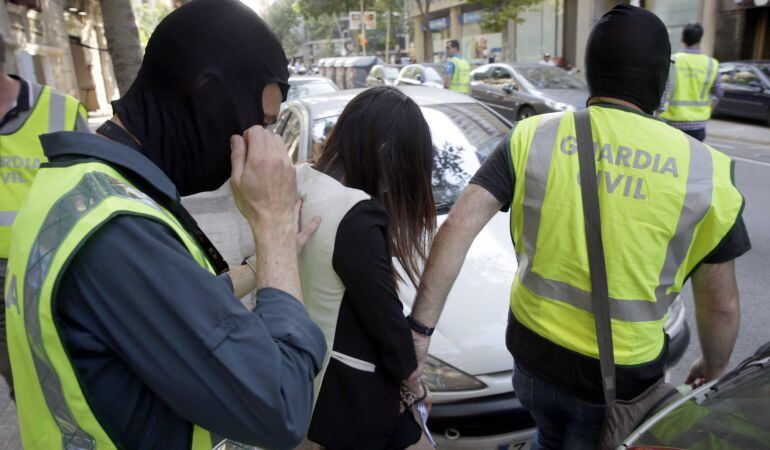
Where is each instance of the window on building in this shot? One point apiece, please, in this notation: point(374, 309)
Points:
point(32, 4)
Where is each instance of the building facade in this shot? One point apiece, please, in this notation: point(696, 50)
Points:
point(734, 29)
point(60, 43)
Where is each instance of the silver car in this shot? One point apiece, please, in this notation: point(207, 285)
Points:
point(469, 369)
point(518, 91)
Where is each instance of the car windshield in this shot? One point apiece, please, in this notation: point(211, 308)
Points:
point(733, 414)
point(307, 88)
point(391, 73)
point(431, 74)
point(464, 135)
point(546, 77)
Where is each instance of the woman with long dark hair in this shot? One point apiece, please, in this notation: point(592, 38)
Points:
point(371, 185)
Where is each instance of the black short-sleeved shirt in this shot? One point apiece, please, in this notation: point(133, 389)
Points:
point(574, 372)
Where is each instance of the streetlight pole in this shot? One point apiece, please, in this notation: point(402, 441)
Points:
point(363, 29)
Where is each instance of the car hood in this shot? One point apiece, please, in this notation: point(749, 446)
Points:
point(574, 97)
point(471, 332)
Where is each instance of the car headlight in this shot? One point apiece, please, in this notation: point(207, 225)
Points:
point(440, 376)
point(558, 106)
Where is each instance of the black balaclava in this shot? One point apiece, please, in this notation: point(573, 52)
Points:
point(628, 56)
point(201, 81)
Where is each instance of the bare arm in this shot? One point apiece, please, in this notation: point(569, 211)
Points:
point(244, 278)
point(717, 312)
point(468, 216)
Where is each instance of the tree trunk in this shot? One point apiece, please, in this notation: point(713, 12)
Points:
point(122, 40)
point(427, 42)
point(387, 32)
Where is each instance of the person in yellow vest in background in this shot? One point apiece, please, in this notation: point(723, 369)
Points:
point(27, 110)
point(669, 211)
point(457, 72)
point(693, 86)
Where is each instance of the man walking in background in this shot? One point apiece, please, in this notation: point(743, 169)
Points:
point(457, 76)
point(27, 110)
point(693, 86)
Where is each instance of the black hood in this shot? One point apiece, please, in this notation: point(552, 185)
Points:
point(201, 81)
point(628, 56)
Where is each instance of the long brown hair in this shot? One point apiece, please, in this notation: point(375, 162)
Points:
point(382, 145)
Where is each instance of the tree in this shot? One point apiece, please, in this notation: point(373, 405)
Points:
point(148, 16)
point(285, 20)
point(389, 6)
point(498, 13)
point(122, 41)
point(427, 36)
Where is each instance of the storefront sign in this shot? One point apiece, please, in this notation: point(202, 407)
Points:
point(473, 17)
point(438, 24)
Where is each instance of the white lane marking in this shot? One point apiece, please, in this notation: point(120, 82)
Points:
point(750, 161)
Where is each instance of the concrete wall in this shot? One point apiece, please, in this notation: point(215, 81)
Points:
point(39, 47)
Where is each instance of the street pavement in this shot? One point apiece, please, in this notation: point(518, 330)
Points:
point(749, 145)
point(752, 175)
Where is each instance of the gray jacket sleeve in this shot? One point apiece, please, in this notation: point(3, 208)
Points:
point(245, 375)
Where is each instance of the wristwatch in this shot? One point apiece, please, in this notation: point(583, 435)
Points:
point(419, 327)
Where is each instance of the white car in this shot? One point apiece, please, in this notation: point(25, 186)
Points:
point(469, 369)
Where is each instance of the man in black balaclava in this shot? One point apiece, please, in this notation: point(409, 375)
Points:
point(146, 344)
point(627, 57)
point(668, 207)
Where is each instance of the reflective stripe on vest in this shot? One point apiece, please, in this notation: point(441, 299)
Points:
point(461, 77)
point(663, 210)
point(691, 79)
point(21, 152)
point(70, 203)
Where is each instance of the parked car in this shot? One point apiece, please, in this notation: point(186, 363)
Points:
point(307, 85)
point(747, 90)
point(518, 91)
point(733, 412)
point(428, 75)
point(357, 69)
point(337, 71)
point(469, 369)
point(383, 75)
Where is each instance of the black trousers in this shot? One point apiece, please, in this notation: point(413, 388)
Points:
point(699, 134)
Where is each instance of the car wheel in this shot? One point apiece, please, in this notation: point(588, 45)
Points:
point(525, 112)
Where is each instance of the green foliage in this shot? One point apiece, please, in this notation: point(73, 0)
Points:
point(148, 16)
point(316, 8)
point(285, 21)
point(499, 12)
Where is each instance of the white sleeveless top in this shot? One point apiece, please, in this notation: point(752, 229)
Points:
point(322, 289)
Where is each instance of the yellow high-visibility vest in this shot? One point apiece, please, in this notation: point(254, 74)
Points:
point(461, 77)
point(689, 95)
point(66, 204)
point(666, 202)
point(21, 153)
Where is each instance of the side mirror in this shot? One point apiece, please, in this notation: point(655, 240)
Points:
point(420, 77)
point(510, 88)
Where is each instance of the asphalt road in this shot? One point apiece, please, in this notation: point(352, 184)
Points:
point(752, 175)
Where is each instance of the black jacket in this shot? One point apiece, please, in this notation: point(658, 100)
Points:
point(358, 405)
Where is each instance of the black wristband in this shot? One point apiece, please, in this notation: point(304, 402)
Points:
point(418, 326)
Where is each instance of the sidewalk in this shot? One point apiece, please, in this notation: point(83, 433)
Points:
point(743, 130)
